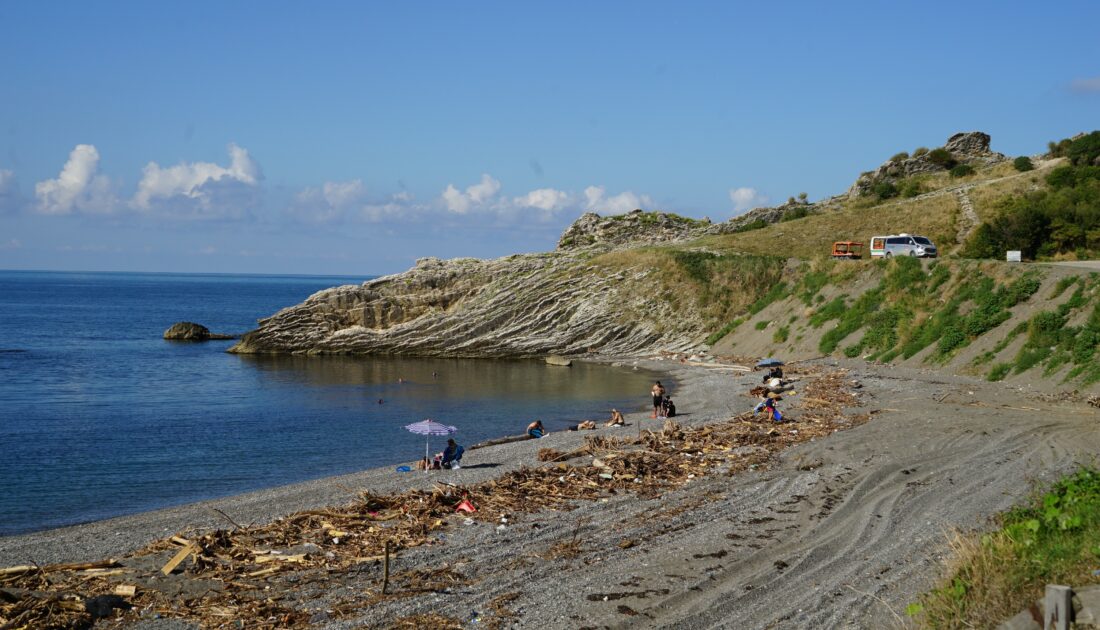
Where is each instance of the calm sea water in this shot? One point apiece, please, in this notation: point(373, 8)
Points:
point(101, 417)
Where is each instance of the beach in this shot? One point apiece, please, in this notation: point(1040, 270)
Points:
point(838, 532)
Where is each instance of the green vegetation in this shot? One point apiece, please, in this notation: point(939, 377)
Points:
point(781, 334)
point(1055, 539)
point(919, 151)
point(904, 313)
point(943, 158)
point(962, 170)
point(762, 325)
point(795, 213)
point(999, 371)
point(885, 190)
point(898, 157)
point(1062, 220)
point(1023, 164)
point(725, 330)
point(910, 188)
point(751, 225)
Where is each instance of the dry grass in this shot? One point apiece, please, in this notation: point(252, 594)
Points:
point(813, 236)
point(975, 567)
point(988, 196)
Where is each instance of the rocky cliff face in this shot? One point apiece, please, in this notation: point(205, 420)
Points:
point(517, 306)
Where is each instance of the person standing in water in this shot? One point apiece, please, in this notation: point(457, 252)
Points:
point(658, 392)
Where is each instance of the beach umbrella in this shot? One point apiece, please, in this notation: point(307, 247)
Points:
point(769, 362)
point(428, 428)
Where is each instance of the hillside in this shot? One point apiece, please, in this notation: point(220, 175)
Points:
point(761, 283)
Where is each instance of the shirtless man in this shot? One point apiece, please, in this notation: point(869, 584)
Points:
point(658, 392)
point(617, 419)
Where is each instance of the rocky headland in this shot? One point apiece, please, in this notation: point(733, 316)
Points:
point(517, 306)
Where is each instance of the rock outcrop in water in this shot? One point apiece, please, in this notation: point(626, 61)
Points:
point(518, 306)
point(190, 331)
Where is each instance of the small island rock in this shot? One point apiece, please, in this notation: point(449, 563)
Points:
point(190, 331)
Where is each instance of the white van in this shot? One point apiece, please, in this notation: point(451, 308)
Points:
point(902, 245)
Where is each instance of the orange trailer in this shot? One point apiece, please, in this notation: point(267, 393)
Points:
point(848, 249)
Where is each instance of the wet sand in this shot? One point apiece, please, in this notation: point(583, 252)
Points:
point(841, 532)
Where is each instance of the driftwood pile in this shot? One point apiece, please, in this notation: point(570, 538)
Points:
point(254, 574)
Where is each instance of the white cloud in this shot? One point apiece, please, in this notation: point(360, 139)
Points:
point(596, 200)
point(78, 188)
point(328, 203)
point(201, 189)
point(1085, 86)
point(547, 199)
point(477, 196)
point(746, 198)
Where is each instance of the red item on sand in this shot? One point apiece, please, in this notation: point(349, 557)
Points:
point(465, 506)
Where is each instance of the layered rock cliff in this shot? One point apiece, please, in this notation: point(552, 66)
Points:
point(517, 306)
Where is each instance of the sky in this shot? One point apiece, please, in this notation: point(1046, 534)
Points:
point(353, 138)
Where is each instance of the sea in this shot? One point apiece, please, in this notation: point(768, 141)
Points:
point(101, 417)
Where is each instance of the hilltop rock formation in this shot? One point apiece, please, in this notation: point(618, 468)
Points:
point(633, 228)
point(518, 306)
point(971, 147)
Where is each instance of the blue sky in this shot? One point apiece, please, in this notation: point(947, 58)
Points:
point(353, 138)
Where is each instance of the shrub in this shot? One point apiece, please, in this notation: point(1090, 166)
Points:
point(898, 157)
point(1023, 164)
point(752, 225)
point(885, 190)
point(762, 325)
point(781, 335)
point(795, 213)
point(919, 151)
point(999, 371)
point(803, 197)
point(962, 170)
point(943, 158)
point(853, 351)
point(1084, 150)
point(910, 188)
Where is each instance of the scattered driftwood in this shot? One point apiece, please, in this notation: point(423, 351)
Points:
point(241, 570)
point(504, 440)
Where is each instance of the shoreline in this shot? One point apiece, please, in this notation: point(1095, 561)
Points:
point(841, 530)
point(93, 540)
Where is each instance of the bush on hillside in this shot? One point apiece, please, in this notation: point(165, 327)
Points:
point(962, 170)
point(885, 190)
point(919, 151)
point(898, 157)
point(943, 158)
point(910, 188)
point(1085, 150)
point(1023, 164)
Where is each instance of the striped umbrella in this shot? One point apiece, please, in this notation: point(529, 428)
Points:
point(429, 428)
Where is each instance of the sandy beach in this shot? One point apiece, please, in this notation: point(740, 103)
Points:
point(838, 532)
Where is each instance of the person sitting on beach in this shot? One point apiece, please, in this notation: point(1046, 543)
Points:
point(452, 454)
point(775, 372)
point(535, 429)
point(668, 407)
point(768, 405)
point(617, 419)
